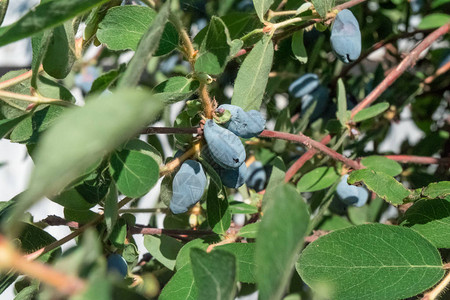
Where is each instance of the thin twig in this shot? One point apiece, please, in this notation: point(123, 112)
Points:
point(12, 259)
point(173, 164)
point(408, 61)
point(434, 293)
point(375, 47)
point(445, 68)
point(423, 160)
point(303, 159)
point(18, 79)
point(74, 234)
point(208, 105)
point(172, 130)
point(37, 99)
point(146, 230)
point(310, 143)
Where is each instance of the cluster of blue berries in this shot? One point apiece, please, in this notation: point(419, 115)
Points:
point(224, 151)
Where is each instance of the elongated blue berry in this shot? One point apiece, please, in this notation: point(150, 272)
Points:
point(244, 124)
point(319, 97)
point(224, 146)
point(304, 85)
point(233, 178)
point(257, 177)
point(350, 194)
point(117, 264)
point(346, 37)
point(188, 186)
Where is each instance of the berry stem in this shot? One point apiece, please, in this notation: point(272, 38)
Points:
point(208, 106)
point(173, 164)
point(18, 79)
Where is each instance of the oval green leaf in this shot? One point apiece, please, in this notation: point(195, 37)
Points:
point(382, 164)
point(123, 27)
point(249, 90)
point(279, 240)
point(135, 173)
point(430, 218)
point(373, 261)
point(317, 179)
point(371, 112)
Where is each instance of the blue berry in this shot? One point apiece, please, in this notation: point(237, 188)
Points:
point(188, 186)
point(350, 194)
point(257, 177)
point(346, 37)
point(320, 97)
point(244, 124)
point(224, 146)
point(117, 264)
point(304, 85)
point(233, 178)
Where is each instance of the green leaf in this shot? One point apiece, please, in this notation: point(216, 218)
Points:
point(219, 216)
point(111, 208)
point(298, 48)
point(124, 26)
point(249, 230)
point(214, 51)
point(385, 186)
point(237, 207)
point(245, 258)
point(318, 179)
point(323, 6)
point(163, 248)
point(73, 143)
point(176, 89)
point(382, 164)
point(135, 173)
point(144, 148)
point(276, 180)
point(278, 243)
point(181, 286)
point(8, 124)
point(183, 257)
point(371, 112)
point(183, 121)
point(214, 274)
point(3, 8)
point(105, 80)
point(45, 16)
point(119, 233)
point(249, 90)
point(437, 190)
point(333, 222)
point(342, 113)
point(90, 191)
point(261, 7)
point(11, 108)
point(373, 261)
point(147, 46)
point(60, 55)
point(434, 20)
point(430, 218)
point(29, 130)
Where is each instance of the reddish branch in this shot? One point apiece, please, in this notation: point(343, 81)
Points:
point(408, 61)
point(303, 159)
point(375, 47)
point(438, 73)
point(310, 143)
point(424, 160)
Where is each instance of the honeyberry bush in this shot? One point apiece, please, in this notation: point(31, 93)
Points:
point(327, 215)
